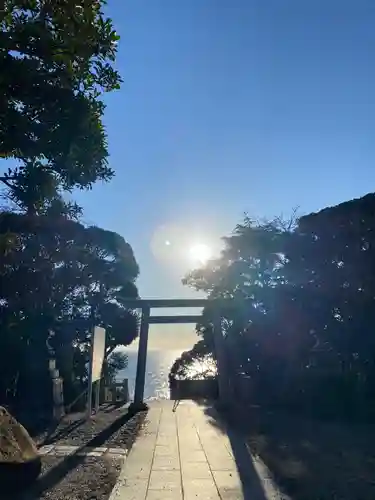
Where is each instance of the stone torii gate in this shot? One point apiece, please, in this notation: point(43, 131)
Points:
point(146, 319)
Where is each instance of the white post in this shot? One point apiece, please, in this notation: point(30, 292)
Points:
point(97, 353)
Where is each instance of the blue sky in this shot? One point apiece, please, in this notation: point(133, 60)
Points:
point(230, 106)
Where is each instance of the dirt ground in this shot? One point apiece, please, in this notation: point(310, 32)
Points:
point(110, 427)
point(312, 460)
point(90, 478)
point(77, 477)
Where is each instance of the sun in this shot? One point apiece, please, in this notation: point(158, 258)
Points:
point(200, 253)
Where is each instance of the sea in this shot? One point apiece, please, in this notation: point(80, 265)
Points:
point(159, 363)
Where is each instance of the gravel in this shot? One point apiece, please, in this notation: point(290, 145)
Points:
point(111, 427)
point(77, 477)
point(86, 478)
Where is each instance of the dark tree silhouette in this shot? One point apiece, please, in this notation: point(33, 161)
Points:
point(59, 275)
point(301, 321)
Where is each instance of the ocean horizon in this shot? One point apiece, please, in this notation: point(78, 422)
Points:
point(159, 363)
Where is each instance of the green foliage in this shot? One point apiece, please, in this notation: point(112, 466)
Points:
point(58, 275)
point(302, 312)
point(115, 363)
point(197, 363)
point(58, 278)
point(56, 59)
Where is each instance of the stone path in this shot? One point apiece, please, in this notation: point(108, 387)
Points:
point(185, 455)
point(65, 450)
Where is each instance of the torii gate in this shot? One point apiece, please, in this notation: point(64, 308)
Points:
point(146, 319)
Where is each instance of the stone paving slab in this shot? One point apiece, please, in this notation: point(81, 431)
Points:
point(65, 450)
point(184, 455)
point(44, 450)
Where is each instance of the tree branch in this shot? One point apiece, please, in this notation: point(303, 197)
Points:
point(6, 179)
point(109, 351)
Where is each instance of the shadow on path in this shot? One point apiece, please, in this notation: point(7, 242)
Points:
point(112, 407)
point(306, 458)
point(253, 486)
point(64, 432)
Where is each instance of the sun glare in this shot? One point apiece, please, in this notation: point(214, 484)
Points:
point(200, 253)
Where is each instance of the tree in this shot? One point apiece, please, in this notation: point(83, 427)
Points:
point(302, 312)
point(197, 363)
point(56, 59)
point(330, 270)
point(115, 363)
point(247, 272)
point(58, 275)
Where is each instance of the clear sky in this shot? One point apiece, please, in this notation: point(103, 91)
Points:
point(230, 106)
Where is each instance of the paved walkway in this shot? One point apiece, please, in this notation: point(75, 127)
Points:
point(186, 455)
